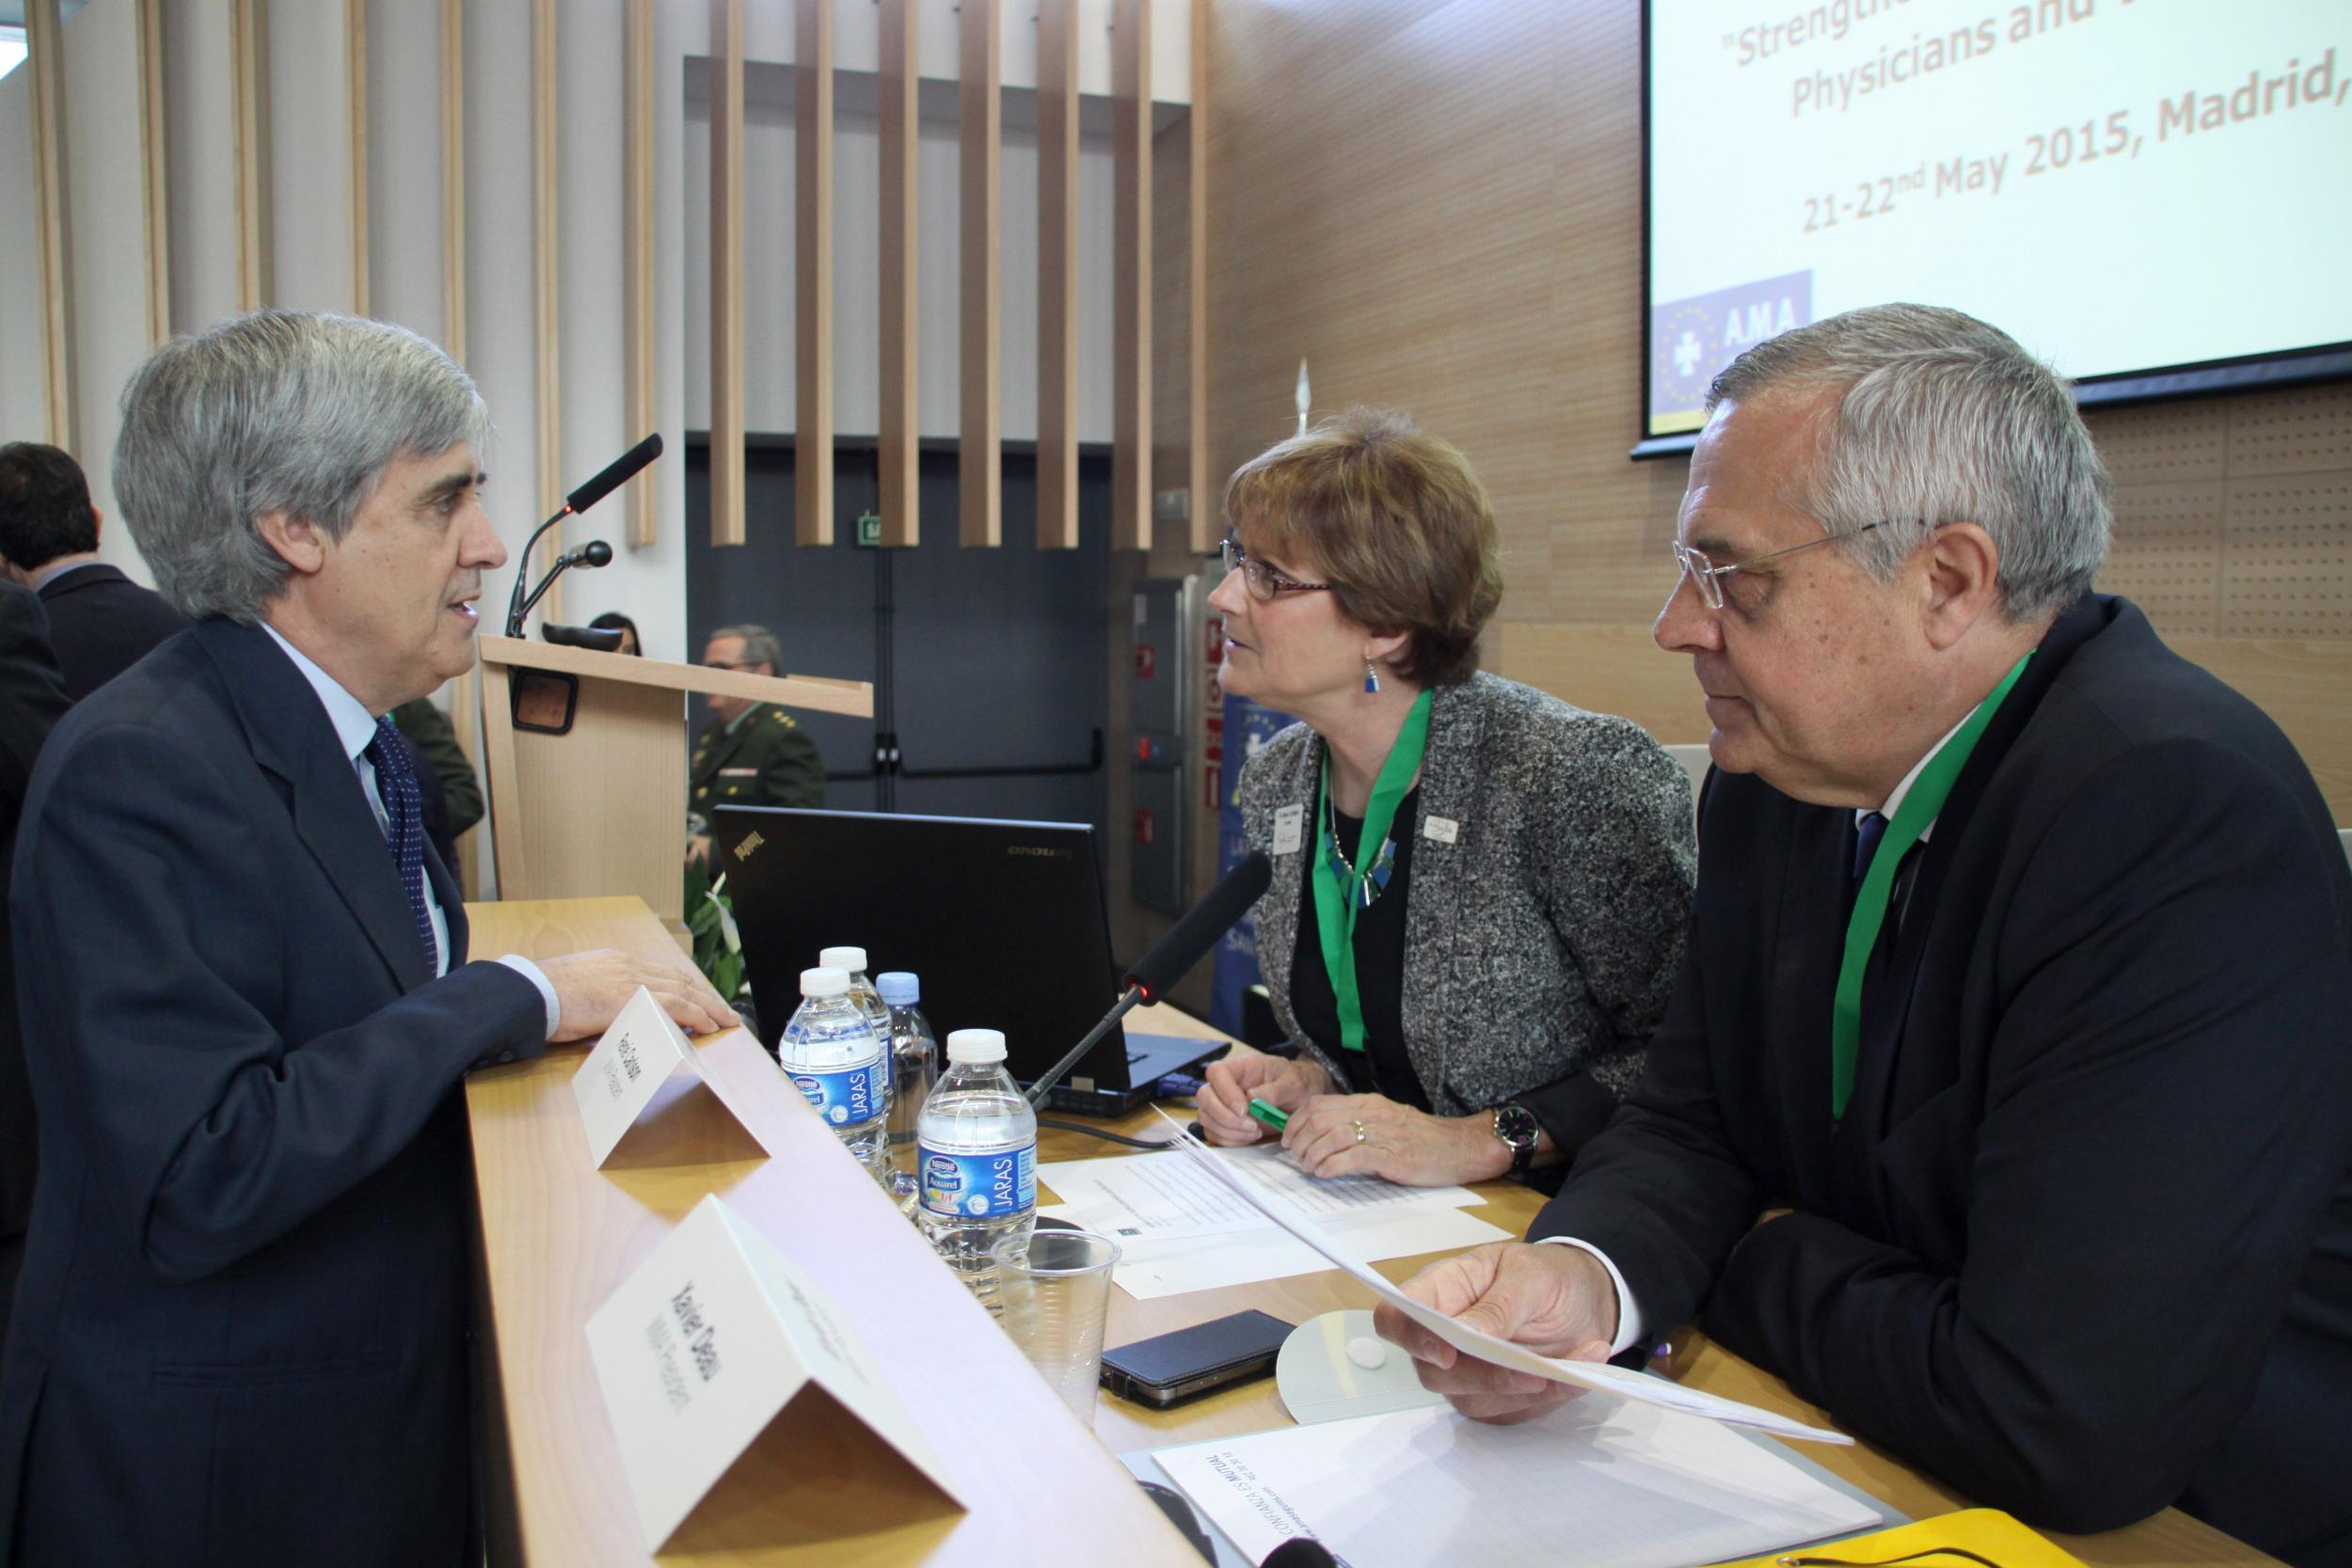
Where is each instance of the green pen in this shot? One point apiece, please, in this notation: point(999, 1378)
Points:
point(1271, 1116)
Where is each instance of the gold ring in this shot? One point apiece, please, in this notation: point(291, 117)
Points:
point(1359, 1131)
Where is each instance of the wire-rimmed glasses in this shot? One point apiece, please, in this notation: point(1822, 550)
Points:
point(1709, 576)
point(1264, 583)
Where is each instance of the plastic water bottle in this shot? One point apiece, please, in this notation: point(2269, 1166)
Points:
point(976, 1150)
point(851, 962)
point(913, 1061)
point(834, 1058)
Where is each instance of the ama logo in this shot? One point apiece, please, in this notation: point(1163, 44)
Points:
point(1690, 341)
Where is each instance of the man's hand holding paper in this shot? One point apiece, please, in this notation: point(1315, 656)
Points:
point(1557, 1300)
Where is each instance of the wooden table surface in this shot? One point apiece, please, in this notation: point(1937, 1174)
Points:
point(559, 1235)
point(2170, 1538)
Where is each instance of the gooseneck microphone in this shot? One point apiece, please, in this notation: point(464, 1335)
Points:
point(611, 478)
point(594, 553)
point(1187, 943)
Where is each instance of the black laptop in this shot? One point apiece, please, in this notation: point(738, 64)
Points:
point(1002, 921)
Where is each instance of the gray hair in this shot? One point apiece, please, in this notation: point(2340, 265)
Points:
point(759, 645)
point(277, 411)
point(1943, 418)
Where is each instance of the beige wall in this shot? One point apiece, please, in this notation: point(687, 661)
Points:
point(1438, 204)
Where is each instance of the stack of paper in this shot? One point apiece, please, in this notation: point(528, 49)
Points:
point(1183, 1228)
point(1600, 1484)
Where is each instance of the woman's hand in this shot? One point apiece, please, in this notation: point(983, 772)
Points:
point(1368, 1135)
point(1230, 1083)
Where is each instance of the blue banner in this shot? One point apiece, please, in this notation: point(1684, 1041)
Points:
point(1690, 341)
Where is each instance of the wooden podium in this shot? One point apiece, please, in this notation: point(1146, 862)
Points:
point(601, 810)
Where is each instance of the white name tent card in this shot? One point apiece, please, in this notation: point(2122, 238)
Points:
point(639, 1055)
point(718, 1348)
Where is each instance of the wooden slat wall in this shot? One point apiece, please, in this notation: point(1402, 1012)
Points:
point(899, 463)
point(812, 240)
point(454, 178)
point(1486, 276)
point(356, 109)
point(644, 499)
point(980, 510)
point(1130, 274)
point(726, 272)
point(1057, 276)
point(1199, 478)
point(249, 83)
point(45, 41)
point(546, 297)
point(154, 170)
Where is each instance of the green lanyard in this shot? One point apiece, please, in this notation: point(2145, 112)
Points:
point(1920, 808)
point(1339, 895)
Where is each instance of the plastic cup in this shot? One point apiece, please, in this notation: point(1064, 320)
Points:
point(1056, 1288)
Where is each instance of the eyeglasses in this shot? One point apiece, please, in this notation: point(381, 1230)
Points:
point(1709, 576)
point(1264, 582)
point(738, 665)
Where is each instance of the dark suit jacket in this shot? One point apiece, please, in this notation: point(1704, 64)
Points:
point(30, 703)
point(102, 623)
point(2082, 1244)
point(240, 1334)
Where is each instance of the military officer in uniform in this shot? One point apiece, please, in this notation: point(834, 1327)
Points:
point(750, 753)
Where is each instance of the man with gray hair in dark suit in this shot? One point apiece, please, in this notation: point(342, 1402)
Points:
point(2004, 1103)
point(241, 1327)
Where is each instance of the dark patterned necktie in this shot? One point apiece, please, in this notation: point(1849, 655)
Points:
point(396, 782)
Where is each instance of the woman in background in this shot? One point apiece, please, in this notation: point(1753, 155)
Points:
point(1479, 891)
point(613, 620)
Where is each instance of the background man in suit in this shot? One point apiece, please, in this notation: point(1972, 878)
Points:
point(2004, 1106)
point(101, 623)
point(239, 1331)
point(750, 753)
point(31, 702)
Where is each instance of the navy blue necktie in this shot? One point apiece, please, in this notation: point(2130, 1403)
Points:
point(396, 782)
point(1868, 828)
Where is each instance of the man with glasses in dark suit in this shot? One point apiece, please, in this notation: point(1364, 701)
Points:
point(2004, 1105)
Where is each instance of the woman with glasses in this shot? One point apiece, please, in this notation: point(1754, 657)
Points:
point(1479, 891)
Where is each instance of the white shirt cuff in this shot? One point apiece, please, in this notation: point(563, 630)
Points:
point(1629, 1311)
point(531, 972)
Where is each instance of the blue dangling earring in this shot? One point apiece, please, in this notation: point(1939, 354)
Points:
point(1372, 679)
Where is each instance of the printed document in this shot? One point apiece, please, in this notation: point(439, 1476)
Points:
point(1485, 1347)
point(1600, 1484)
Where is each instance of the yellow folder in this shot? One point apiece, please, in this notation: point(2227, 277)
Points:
point(1975, 1538)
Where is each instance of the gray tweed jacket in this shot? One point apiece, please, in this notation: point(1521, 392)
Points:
point(1543, 916)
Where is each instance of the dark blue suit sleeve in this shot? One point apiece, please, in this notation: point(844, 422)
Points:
point(163, 955)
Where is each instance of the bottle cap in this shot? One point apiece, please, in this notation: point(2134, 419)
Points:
point(849, 960)
point(824, 982)
point(976, 1045)
point(899, 987)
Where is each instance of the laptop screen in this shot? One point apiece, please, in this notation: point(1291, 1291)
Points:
point(1002, 921)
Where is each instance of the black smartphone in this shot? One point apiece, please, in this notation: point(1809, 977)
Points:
point(1169, 1368)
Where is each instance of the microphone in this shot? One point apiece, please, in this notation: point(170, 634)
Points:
point(616, 473)
point(611, 478)
point(1187, 943)
point(1301, 1551)
point(594, 553)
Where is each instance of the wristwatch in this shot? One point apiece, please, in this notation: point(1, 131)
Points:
point(1515, 1125)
